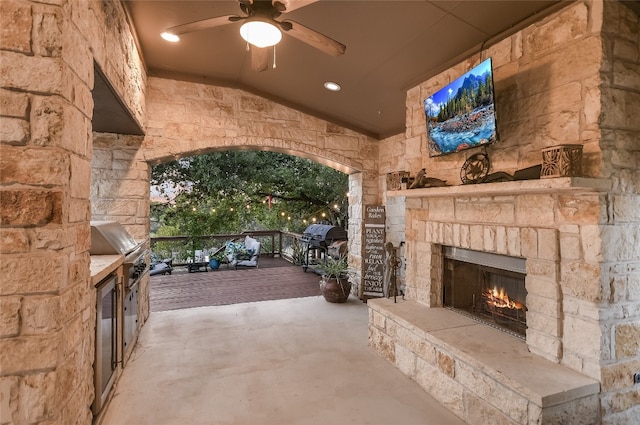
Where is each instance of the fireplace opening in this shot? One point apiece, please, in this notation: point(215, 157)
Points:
point(487, 287)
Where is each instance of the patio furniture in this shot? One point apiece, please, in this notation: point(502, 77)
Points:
point(244, 254)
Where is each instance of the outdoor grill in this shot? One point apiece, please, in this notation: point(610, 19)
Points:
point(111, 238)
point(318, 238)
point(323, 235)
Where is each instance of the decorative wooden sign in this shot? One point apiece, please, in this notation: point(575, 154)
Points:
point(373, 251)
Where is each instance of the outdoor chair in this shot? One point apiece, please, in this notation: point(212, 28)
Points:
point(244, 254)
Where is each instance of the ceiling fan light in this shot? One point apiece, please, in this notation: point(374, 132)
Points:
point(170, 37)
point(260, 33)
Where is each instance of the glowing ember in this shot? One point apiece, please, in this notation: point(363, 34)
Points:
point(498, 298)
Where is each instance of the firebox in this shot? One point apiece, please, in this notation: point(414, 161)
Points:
point(486, 287)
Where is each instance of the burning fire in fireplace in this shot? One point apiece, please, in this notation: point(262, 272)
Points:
point(498, 298)
point(503, 310)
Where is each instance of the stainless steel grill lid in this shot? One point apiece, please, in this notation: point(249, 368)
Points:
point(110, 238)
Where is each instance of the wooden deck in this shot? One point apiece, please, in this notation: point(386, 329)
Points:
point(274, 279)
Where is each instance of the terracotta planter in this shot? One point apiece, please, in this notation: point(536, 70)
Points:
point(335, 290)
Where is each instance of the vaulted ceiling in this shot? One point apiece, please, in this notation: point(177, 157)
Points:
point(390, 47)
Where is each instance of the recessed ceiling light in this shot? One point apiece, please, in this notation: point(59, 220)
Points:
point(170, 37)
point(331, 86)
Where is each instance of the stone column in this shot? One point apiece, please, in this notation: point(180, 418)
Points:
point(46, 319)
point(363, 190)
point(619, 249)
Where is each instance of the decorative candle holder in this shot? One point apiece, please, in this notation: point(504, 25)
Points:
point(394, 179)
point(561, 161)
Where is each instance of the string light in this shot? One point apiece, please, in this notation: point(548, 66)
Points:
point(284, 214)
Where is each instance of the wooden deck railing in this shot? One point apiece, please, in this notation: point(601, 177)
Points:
point(184, 249)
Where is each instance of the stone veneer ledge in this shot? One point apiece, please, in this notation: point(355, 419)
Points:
point(477, 357)
point(556, 185)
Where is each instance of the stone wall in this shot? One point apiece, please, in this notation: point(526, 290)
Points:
point(619, 253)
point(120, 192)
point(106, 28)
point(395, 155)
point(546, 80)
point(47, 305)
point(533, 110)
point(120, 183)
point(570, 78)
point(189, 119)
point(186, 119)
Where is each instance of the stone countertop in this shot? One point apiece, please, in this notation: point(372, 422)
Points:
point(103, 265)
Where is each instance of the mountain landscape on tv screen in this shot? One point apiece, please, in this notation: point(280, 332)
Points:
point(462, 114)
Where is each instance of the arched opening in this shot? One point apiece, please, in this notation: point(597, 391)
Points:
point(202, 206)
point(186, 119)
point(121, 187)
point(190, 118)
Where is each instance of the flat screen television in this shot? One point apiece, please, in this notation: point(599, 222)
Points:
point(462, 114)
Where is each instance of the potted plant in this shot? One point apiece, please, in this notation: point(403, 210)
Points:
point(334, 284)
point(216, 259)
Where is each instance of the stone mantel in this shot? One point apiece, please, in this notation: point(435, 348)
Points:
point(553, 185)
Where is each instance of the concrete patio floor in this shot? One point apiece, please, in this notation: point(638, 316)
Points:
point(292, 361)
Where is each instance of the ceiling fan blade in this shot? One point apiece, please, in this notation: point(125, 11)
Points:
point(259, 58)
point(245, 5)
point(203, 24)
point(315, 39)
point(290, 5)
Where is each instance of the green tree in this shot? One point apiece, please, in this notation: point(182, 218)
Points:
point(233, 191)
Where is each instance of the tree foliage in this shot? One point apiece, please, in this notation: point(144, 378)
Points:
point(229, 192)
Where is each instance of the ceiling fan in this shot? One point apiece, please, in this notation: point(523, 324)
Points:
point(262, 14)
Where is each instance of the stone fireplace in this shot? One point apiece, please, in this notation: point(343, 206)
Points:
point(488, 310)
point(563, 80)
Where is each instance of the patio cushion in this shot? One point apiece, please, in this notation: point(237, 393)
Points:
point(252, 250)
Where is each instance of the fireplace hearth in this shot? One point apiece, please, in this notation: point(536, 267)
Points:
point(486, 287)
